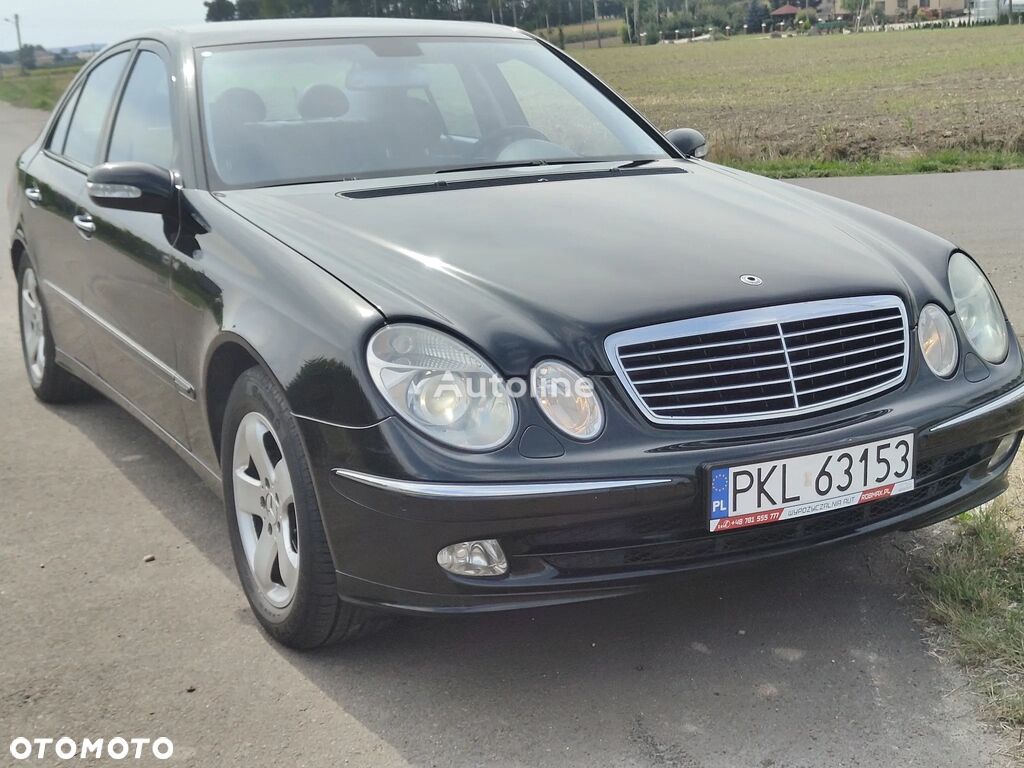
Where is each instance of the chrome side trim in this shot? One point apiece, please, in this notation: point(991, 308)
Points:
point(750, 318)
point(335, 424)
point(491, 490)
point(982, 410)
point(183, 385)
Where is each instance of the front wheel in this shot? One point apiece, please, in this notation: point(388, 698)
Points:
point(277, 536)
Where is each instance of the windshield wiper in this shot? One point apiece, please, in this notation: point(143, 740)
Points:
point(635, 164)
point(516, 164)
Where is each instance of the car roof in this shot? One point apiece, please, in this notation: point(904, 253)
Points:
point(273, 30)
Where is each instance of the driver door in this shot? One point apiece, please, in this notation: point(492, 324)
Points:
point(131, 255)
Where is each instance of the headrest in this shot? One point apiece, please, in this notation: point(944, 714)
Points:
point(239, 105)
point(322, 101)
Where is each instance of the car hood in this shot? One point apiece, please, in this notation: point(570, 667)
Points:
point(536, 264)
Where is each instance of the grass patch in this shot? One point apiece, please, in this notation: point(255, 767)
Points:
point(39, 89)
point(941, 161)
point(974, 586)
point(900, 102)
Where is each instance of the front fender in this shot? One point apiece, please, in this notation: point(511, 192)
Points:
point(239, 286)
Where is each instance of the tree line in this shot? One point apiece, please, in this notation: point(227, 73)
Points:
point(641, 20)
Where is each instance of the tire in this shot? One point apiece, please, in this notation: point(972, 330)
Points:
point(277, 535)
point(50, 383)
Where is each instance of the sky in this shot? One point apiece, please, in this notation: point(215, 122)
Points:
point(62, 23)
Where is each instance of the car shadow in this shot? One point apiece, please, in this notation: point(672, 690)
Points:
point(771, 664)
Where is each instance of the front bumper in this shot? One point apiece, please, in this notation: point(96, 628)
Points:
point(634, 514)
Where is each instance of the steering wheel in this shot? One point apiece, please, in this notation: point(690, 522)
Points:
point(491, 145)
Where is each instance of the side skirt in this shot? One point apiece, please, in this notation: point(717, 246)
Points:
point(210, 476)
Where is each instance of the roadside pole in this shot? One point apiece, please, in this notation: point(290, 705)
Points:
point(17, 31)
point(16, 21)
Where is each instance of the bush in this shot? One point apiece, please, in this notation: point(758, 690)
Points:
point(806, 17)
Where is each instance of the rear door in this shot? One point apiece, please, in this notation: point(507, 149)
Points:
point(53, 182)
point(131, 254)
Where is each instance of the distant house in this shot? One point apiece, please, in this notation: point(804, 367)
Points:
point(786, 14)
point(43, 58)
point(831, 9)
point(991, 10)
point(898, 8)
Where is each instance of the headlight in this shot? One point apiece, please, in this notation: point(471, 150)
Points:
point(938, 340)
point(978, 309)
point(441, 387)
point(568, 400)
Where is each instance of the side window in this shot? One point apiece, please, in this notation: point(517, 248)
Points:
point(60, 131)
point(142, 128)
point(83, 138)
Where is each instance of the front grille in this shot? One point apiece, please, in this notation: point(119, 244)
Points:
point(764, 363)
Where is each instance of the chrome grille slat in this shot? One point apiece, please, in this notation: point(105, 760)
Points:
point(831, 371)
point(723, 402)
point(824, 354)
point(850, 381)
point(770, 353)
point(824, 358)
point(696, 347)
point(737, 372)
point(681, 392)
point(842, 326)
point(844, 340)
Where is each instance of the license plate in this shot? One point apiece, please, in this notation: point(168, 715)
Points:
point(770, 491)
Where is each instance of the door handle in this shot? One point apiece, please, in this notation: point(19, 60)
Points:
point(33, 194)
point(85, 224)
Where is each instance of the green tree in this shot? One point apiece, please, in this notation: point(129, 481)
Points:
point(27, 56)
point(247, 9)
point(757, 13)
point(219, 10)
point(807, 17)
point(273, 9)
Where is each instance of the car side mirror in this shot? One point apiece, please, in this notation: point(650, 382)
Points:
point(131, 187)
point(688, 141)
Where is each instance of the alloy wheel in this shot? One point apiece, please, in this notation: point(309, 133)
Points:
point(33, 329)
point(265, 508)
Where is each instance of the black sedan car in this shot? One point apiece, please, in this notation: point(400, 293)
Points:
point(453, 328)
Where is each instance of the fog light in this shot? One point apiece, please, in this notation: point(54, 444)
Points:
point(1003, 450)
point(474, 558)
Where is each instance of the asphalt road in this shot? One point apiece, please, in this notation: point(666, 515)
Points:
point(811, 662)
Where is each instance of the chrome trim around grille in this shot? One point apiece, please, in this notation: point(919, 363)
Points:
point(779, 347)
point(492, 490)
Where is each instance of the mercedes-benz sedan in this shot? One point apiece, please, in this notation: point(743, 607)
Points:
point(454, 328)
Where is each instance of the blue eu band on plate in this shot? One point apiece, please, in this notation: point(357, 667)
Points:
point(756, 494)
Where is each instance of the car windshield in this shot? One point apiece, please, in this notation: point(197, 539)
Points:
point(286, 113)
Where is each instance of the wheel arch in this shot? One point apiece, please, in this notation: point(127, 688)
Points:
point(18, 251)
point(229, 357)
